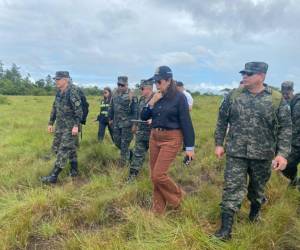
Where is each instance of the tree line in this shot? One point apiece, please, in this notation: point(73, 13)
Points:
point(13, 83)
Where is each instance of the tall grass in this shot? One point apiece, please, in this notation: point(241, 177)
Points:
point(98, 210)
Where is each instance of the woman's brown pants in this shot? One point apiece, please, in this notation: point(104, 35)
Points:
point(164, 146)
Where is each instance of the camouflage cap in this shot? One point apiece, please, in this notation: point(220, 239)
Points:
point(146, 83)
point(287, 85)
point(123, 80)
point(255, 67)
point(61, 74)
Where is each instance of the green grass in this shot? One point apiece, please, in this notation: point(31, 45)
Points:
point(99, 210)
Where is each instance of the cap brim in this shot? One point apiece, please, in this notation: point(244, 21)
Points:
point(247, 71)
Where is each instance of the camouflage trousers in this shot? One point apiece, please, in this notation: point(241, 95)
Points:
point(122, 138)
point(293, 160)
point(235, 183)
point(65, 147)
point(140, 149)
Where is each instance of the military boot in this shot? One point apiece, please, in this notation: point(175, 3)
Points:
point(52, 177)
point(254, 211)
point(133, 173)
point(74, 169)
point(224, 233)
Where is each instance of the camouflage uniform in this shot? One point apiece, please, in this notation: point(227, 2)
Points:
point(294, 157)
point(66, 113)
point(141, 139)
point(251, 143)
point(123, 110)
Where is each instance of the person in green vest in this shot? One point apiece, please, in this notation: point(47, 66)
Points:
point(103, 116)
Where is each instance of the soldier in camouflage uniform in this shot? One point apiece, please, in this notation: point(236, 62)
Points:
point(260, 129)
point(287, 89)
point(142, 133)
point(66, 113)
point(123, 110)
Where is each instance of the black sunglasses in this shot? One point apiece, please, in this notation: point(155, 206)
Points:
point(248, 73)
point(121, 85)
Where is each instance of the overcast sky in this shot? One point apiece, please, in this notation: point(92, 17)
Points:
point(206, 43)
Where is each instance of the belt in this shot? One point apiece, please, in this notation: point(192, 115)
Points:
point(164, 129)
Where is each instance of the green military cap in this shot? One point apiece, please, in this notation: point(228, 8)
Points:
point(287, 85)
point(146, 83)
point(61, 74)
point(255, 67)
point(123, 80)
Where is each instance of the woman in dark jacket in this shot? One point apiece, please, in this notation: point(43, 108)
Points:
point(103, 116)
point(171, 126)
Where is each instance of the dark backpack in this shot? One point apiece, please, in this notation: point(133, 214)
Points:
point(85, 106)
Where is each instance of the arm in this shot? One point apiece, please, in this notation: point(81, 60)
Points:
point(52, 115)
point(284, 130)
point(186, 123)
point(75, 101)
point(222, 122)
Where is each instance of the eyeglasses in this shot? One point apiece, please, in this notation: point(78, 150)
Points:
point(248, 73)
point(121, 85)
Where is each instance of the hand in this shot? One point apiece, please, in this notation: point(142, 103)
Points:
point(50, 129)
point(134, 129)
point(75, 131)
point(219, 151)
point(279, 163)
point(190, 154)
point(149, 122)
point(155, 98)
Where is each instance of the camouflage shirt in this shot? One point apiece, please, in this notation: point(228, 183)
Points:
point(295, 111)
point(256, 129)
point(66, 109)
point(142, 127)
point(123, 109)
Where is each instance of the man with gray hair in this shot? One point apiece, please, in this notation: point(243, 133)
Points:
point(67, 114)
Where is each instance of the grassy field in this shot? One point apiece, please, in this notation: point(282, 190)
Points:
point(99, 210)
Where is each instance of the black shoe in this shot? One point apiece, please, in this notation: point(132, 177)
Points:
point(133, 173)
point(74, 169)
point(254, 212)
point(52, 177)
point(224, 233)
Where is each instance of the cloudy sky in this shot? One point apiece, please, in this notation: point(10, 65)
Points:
point(205, 42)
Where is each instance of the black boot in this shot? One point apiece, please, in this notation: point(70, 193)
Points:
point(133, 173)
point(224, 233)
point(74, 169)
point(254, 211)
point(52, 177)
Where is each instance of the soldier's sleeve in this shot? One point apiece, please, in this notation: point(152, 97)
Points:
point(134, 108)
point(222, 122)
point(52, 115)
point(75, 101)
point(284, 130)
point(111, 110)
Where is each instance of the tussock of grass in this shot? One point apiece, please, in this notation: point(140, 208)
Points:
point(98, 210)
